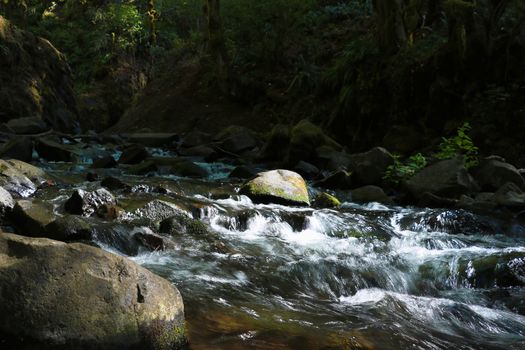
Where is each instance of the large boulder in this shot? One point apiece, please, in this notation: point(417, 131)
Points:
point(6, 201)
point(14, 180)
point(370, 193)
point(18, 148)
point(74, 296)
point(36, 82)
point(446, 178)
point(28, 125)
point(69, 228)
point(158, 210)
point(237, 139)
point(31, 217)
point(277, 186)
point(133, 155)
point(369, 168)
point(86, 203)
point(493, 172)
point(277, 143)
point(306, 138)
point(51, 150)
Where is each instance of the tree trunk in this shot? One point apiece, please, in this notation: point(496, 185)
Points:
point(391, 29)
point(217, 47)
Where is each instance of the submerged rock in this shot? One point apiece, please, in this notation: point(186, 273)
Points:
point(85, 298)
point(86, 203)
point(277, 186)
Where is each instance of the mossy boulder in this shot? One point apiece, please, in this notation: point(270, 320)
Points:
point(306, 137)
point(326, 200)
point(277, 186)
point(74, 296)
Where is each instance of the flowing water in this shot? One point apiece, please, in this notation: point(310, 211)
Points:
point(359, 277)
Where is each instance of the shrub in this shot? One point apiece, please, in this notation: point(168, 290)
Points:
point(459, 145)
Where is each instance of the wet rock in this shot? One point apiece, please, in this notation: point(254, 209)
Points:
point(143, 168)
point(306, 170)
point(69, 228)
point(186, 168)
point(113, 183)
point(85, 298)
point(110, 212)
point(446, 178)
point(152, 139)
point(277, 186)
point(370, 193)
point(493, 172)
point(510, 196)
point(158, 210)
point(326, 200)
point(133, 155)
point(18, 148)
point(430, 200)
point(104, 162)
point(237, 139)
point(51, 150)
point(28, 125)
point(368, 168)
point(306, 137)
point(32, 172)
point(6, 202)
point(14, 181)
point(331, 159)
point(244, 172)
point(31, 217)
point(181, 224)
point(338, 180)
point(152, 241)
point(86, 203)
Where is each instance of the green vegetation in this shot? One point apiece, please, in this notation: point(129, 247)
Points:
point(404, 170)
point(459, 145)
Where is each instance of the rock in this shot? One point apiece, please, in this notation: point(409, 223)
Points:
point(195, 138)
point(133, 155)
point(113, 183)
point(276, 146)
point(158, 210)
point(28, 125)
point(53, 151)
point(36, 81)
point(244, 172)
point(86, 203)
point(332, 160)
point(186, 168)
point(237, 139)
point(18, 148)
point(325, 200)
point(493, 172)
point(338, 180)
point(430, 200)
point(143, 168)
point(14, 181)
point(306, 170)
point(69, 228)
point(6, 202)
point(510, 195)
point(306, 137)
point(152, 139)
point(32, 172)
point(446, 178)
point(182, 224)
point(151, 240)
point(277, 186)
point(110, 212)
point(104, 162)
point(205, 152)
point(31, 217)
point(368, 168)
point(370, 193)
point(85, 298)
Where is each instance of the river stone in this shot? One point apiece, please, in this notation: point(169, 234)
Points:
point(150, 240)
point(326, 200)
point(369, 168)
point(14, 181)
point(53, 151)
point(75, 296)
point(86, 203)
point(158, 210)
point(446, 178)
point(18, 148)
point(29, 170)
point(277, 186)
point(338, 180)
point(370, 193)
point(31, 217)
point(493, 172)
point(187, 168)
point(6, 201)
point(104, 162)
point(133, 155)
point(69, 228)
point(114, 183)
point(182, 224)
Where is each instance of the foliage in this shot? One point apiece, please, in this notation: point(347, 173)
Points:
point(400, 171)
point(459, 145)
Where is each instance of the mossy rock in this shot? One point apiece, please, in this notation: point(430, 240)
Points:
point(277, 186)
point(182, 224)
point(326, 200)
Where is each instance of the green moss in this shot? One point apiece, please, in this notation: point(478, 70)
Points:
point(162, 335)
point(325, 200)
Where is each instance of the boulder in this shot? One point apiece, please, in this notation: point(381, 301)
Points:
point(325, 200)
point(368, 168)
point(18, 148)
point(186, 168)
point(493, 172)
point(205, 152)
point(306, 170)
point(32, 172)
point(152, 139)
point(510, 195)
point(276, 146)
point(28, 125)
point(244, 172)
point(195, 138)
point(74, 296)
point(31, 217)
point(86, 203)
point(6, 202)
point(14, 181)
point(114, 183)
point(306, 137)
point(133, 155)
point(277, 186)
point(104, 162)
point(237, 139)
point(150, 240)
point(53, 151)
point(143, 168)
point(69, 228)
point(158, 210)
point(110, 212)
point(182, 224)
point(332, 160)
point(338, 180)
point(446, 178)
point(370, 193)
